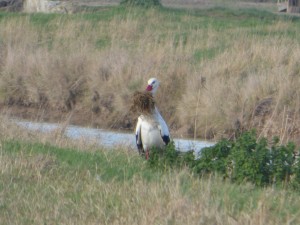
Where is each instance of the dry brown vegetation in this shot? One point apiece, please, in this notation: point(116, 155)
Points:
point(142, 103)
point(215, 82)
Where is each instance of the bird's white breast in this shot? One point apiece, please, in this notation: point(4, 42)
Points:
point(150, 133)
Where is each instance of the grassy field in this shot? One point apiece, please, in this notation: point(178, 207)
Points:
point(222, 69)
point(46, 179)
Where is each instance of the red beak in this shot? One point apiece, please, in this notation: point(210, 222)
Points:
point(149, 88)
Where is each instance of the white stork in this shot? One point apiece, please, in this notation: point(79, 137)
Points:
point(151, 129)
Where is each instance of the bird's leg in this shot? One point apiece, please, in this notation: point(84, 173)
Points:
point(147, 154)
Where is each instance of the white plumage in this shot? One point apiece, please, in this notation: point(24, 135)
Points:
point(151, 129)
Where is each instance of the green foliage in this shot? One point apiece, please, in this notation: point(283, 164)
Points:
point(248, 160)
point(213, 159)
point(295, 183)
point(283, 162)
point(243, 160)
point(170, 158)
point(144, 3)
point(75, 161)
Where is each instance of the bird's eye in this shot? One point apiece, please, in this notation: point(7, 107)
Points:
point(153, 82)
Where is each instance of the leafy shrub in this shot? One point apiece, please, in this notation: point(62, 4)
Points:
point(170, 158)
point(283, 162)
point(213, 159)
point(252, 160)
point(295, 182)
point(249, 160)
point(145, 3)
point(243, 160)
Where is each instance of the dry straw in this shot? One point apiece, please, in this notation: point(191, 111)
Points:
point(142, 103)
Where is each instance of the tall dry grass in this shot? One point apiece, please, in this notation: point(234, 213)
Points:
point(63, 68)
point(252, 86)
point(215, 82)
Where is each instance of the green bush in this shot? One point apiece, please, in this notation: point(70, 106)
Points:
point(283, 163)
point(213, 159)
point(244, 160)
point(249, 160)
point(144, 3)
point(170, 158)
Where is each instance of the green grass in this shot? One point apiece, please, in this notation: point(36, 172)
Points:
point(44, 184)
point(179, 21)
point(219, 17)
point(203, 54)
point(81, 161)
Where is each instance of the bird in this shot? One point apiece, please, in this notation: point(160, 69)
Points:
point(151, 129)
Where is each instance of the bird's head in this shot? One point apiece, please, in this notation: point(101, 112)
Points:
point(153, 84)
